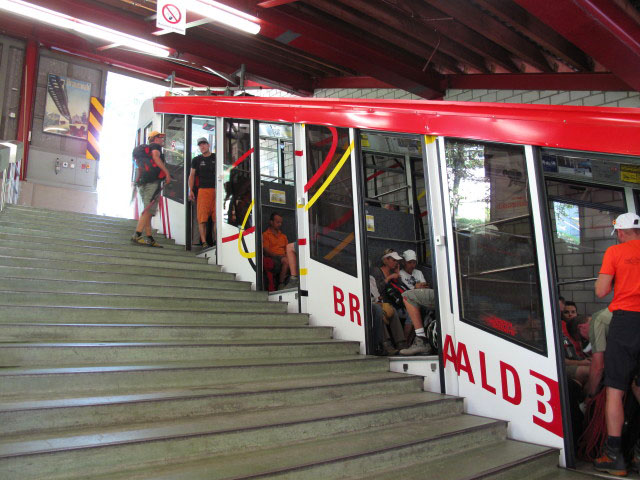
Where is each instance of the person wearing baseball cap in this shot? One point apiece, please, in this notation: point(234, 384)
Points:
point(410, 276)
point(202, 183)
point(156, 134)
point(620, 272)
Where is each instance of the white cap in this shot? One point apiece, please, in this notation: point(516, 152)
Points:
point(393, 255)
point(409, 255)
point(626, 221)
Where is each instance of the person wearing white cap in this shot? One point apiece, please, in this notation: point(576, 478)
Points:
point(410, 276)
point(203, 176)
point(621, 264)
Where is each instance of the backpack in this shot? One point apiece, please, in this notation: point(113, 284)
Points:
point(149, 171)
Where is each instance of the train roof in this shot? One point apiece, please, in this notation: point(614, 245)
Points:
point(598, 129)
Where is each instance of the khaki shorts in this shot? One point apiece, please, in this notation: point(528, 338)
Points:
point(206, 204)
point(146, 191)
point(421, 297)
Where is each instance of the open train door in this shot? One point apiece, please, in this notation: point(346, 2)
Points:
point(498, 329)
point(331, 283)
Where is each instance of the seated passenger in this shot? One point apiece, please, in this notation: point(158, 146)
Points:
point(387, 329)
point(410, 276)
point(577, 365)
point(276, 246)
point(388, 281)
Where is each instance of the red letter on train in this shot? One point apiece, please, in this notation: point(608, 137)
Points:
point(354, 307)
point(338, 301)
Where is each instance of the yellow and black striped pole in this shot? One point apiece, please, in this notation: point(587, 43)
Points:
point(96, 111)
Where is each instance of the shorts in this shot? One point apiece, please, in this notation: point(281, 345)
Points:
point(146, 192)
point(421, 297)
point(206, 204)
point(623, 349)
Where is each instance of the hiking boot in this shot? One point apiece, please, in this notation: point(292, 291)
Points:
point(206, 245)
point(635, 462)
point(389, 349)
point(611, 462)
point(418, 347)
point(138, 240)
point(151, 242)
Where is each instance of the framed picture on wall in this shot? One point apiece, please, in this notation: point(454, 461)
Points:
point(66, 111)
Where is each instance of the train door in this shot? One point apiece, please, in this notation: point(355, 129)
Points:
point(331, 279)
point(275, 209)
point(585, 192)
point(236, 234)
point(396, 219)
point(498, 329)
point(200, 128)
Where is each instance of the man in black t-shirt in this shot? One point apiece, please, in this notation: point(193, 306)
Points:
point(203, 175)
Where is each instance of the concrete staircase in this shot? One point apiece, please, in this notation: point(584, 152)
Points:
point(123, 361)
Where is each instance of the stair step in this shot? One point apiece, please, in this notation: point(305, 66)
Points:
point(125, 353)
point(48, 213)
point(226, 281)
point(120, 380)
point(30, 415)
point(56, 332)
point(166, 263)
point(79, 233)
point(159, 270)
point(66, 314)
point(507, 459)
point(176, 441)
point(123, 246)
point(136, 251)
point(83, 238)
point(56, 223)
point(30, 298)
point(80, 286)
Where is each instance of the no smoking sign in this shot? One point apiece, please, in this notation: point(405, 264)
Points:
point(172, 16)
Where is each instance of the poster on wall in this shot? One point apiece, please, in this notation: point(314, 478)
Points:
point(66, 111)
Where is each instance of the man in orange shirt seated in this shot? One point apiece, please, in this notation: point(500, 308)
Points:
point(276, 245)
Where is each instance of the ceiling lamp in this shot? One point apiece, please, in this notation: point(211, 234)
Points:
point(221, 13)
point(89, 29)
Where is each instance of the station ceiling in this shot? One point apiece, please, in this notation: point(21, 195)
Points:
point(422, 46)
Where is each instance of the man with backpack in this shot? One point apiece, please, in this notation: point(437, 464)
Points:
point(151, 172)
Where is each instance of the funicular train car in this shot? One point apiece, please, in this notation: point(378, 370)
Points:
point(506, 208)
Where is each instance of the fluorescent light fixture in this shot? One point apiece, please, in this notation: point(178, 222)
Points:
point(57, 19)
point(223, 14)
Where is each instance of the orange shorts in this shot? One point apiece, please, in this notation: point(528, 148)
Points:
point(206, 204)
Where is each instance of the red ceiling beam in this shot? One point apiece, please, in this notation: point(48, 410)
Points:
point(600, 28)
point(274, 3)
point(539, 81)
point(350, 82)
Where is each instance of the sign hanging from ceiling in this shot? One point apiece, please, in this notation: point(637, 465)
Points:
point(172, 16)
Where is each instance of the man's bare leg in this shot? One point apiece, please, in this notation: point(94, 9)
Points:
point(292, 259)
point(614, 412)
point(284, 269)
point(202, 227)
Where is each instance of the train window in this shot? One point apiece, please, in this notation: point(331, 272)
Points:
point(581, 217)
point(237, 172)
point(493, 234)
point(330, 205)
point(174, 156)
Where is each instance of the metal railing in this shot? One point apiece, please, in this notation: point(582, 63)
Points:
point(10, 159)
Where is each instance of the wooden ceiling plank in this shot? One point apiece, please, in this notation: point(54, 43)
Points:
point(471, 16)
point(387, 34)
point(412, 28)
point(539, 32)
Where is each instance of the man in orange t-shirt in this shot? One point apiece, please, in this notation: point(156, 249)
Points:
point(276, 245)
point(621, 264)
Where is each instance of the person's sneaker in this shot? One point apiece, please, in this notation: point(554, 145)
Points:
point(139, 240)
point(151, 242)
point(292, 282)
point(418, 347)
point(611, 462)
point(206, 245)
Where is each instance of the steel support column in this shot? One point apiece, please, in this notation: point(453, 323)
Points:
point(27, 101)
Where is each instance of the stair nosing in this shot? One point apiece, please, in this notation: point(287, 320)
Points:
point(514, 463)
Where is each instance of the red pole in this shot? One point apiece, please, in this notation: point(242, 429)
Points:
point(27, 100)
